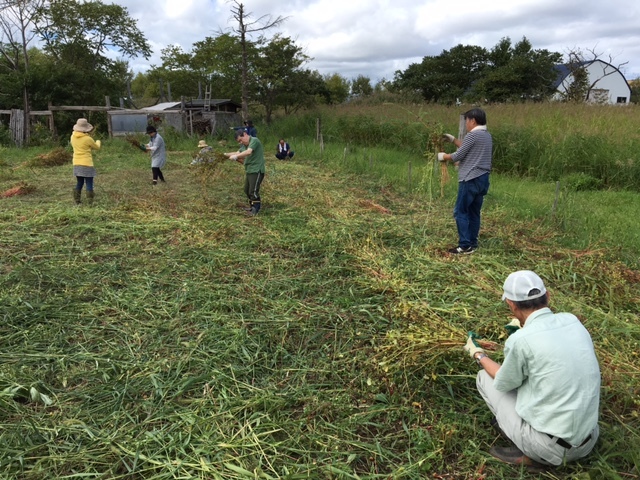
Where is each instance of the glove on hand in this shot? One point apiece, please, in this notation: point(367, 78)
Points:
point(99, 143)
point(448, 137)
point(234, 158)
point(143, 147)
point(513, 326)
point(441, 157)
point(471, 347)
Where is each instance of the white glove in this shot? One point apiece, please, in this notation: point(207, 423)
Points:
point(471, 347)
point(234, 158)
point(441, 157)
point(448, 137)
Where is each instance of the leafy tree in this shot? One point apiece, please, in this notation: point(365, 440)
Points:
point(576, 83)
point(74, 31)
point(78, 36)
point(338, 88)
point(219, 59)
point(305, 89)
point(275, 66)
point(176, 72)
point(518, 73)
point(16, 21)
point(361, 86)
point(446, 77)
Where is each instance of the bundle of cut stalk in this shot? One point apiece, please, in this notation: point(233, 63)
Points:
point(208, 168)
point(437, 144)
point(426, 341)
point(212, 158)
point(135, 142)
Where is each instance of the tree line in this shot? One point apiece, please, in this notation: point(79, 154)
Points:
point(73, 65)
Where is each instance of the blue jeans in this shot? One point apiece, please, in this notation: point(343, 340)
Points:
point(81, 181)
point(467, 210)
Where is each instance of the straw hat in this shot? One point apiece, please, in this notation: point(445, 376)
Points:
point(82, 126)
point(202, 144)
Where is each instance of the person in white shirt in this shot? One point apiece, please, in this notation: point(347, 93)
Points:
point(546, 393)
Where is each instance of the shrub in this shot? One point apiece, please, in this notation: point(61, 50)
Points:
point(579, 182)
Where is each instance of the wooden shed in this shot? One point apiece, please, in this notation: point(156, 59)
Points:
point(191, 117)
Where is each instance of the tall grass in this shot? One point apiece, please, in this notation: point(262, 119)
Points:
point(541, 141)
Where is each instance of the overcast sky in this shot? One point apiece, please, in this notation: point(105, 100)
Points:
point(377, 37)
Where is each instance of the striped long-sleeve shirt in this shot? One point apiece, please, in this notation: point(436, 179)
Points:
point(474, 154)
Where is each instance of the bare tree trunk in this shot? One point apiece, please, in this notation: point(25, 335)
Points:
point(263, 23)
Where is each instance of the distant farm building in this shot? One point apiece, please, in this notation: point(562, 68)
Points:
point(195, 116)
point(607, 84)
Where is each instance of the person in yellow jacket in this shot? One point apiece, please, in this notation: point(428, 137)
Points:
point(83, 168)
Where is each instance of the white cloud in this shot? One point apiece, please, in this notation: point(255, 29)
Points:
point(377, 37)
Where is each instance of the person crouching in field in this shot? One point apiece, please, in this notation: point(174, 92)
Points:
point(204, 153)
point(158, 154)
point(83, 168)
point(251, 155)
point(283, 151)
point(545, 395)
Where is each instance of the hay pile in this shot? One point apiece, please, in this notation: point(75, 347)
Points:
point(22, 188)
point(55, 158)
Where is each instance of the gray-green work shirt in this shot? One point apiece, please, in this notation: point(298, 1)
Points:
point(552, 364)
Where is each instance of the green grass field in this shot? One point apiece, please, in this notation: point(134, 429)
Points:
point(161, 334)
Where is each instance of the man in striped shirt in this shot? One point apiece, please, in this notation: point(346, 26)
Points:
point(473, 159)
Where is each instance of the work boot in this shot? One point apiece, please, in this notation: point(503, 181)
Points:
point(514, 456)
point(77, 196)
point(90, 196)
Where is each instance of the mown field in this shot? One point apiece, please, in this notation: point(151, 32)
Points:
point(161, 334)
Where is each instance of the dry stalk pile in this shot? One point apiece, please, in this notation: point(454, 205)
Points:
point(23, 188)
point(54, 158)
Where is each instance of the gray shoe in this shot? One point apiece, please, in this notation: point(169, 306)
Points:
point(514, 456)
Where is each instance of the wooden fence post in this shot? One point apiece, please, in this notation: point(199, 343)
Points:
point(16, 125)
point(555, 201)
point(462, 128)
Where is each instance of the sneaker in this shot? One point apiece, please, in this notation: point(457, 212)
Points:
point(252, 212)
point(460, 250)
point(514, 456)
